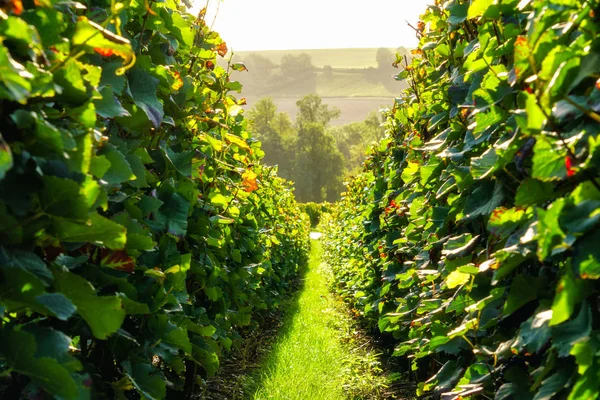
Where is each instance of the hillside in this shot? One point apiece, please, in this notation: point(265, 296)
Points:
point(336, 58)
point(349, 79)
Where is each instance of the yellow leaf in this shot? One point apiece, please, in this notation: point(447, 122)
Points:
point(239, 142)
point(249, 181)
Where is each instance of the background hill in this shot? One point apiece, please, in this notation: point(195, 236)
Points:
point(357, 81)
point(336, 58)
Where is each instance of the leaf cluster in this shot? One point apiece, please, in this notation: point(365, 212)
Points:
point(471, 237)
point(139, 232)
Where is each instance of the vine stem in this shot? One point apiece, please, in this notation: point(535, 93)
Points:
point(75, 53)
point(216, 14)
point(419, 33)
point(148, 11)
point(589, 113)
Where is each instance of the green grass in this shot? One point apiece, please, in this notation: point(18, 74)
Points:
point(315, 356)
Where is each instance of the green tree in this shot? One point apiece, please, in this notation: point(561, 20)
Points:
point(319, 165)
point(312, 110)
point(385, 58)
point(299, 65)
point(352, 140)
point(275, 131)
point(262, 114)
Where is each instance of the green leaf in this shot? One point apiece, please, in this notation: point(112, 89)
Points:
point(149, 204)
point(458, 12)
point(482, 167)
point(119, 170)
point(207, 358)
point(535, 332)
point(522, 291)
point(143, 88)
point(460, 246)
point(104, 314)
point(99, 165)
point(133, 307)
point(550, 236)
point(97, 229)
point(219, 219)
point(57, 304)
point(110, 78)
point(447, 376)
point(535, 116)
point(137, 166)
point(54, 344)
point(109, 106)
point(218, 200)
point(62, 198)
point(19, 348)
point(522, 58)
point(565, 335)
point(15, 79)
point(478, 8)
point(503, 222)
point(533, 192)
point(548, 160)
point(179, 338)
point(94, 38)
point(481, 203)
point(182, 162)
point(69, 78)
point(456, 279)
point(29, 262)
point(146, 379)
point(586, 257)
point(586, 386)
point(6, 158)
point(552, 385)
point(173, 214)
point(410, 172)
point(569, 293)
point(580, 218)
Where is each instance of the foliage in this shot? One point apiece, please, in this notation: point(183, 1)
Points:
point(304, 152)
point(353, 140)
point(276, 131)
point(315, 211)
point(138, 231)
point(471, 236)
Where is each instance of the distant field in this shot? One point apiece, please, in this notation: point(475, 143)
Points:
point(354, 84)
point(354, 109)
point(336, 58)
point(350, 86)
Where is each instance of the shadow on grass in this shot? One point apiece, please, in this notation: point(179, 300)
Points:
point(239, 377)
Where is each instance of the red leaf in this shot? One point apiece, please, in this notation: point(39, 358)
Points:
point(104, 52)
point(222, 49)
point(569, 166)
point(118, 260)
point(16, 6)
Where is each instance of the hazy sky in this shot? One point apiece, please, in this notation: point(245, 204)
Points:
point(314, 24)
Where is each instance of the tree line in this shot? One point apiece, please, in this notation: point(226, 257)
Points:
point(309, 152)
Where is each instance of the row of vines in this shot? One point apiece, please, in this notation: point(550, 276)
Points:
point(139, 234)
point(472, 238)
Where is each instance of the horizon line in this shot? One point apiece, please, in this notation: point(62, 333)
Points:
point(324, 48)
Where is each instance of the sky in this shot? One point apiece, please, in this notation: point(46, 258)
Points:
point(314, 24)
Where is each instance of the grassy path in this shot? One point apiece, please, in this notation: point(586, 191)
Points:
point(315, 357)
